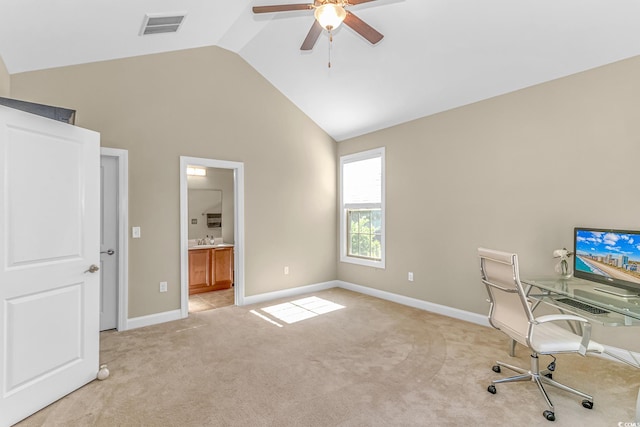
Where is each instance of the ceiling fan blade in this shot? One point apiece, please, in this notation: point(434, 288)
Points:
point(312, 36)
point(281, 8)
point(362, 28)
point(355, 2)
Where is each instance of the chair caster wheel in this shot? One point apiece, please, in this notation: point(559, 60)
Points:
point(496, 368)
point(549, 375)
point(492, 389)
point(587, 404)
point(550, 416)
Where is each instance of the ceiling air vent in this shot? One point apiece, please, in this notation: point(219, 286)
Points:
point(165, 23)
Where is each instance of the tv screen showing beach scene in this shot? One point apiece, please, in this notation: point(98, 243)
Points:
point(611, 255)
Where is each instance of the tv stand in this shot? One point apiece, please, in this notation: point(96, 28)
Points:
point(616, 291)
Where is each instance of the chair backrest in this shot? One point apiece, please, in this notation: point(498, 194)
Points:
point(510, 309)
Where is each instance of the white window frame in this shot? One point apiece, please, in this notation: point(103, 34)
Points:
point(344, 257)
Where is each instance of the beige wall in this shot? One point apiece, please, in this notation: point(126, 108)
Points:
point(552, 156)
point(516, 172)
point(205, 103)
point(5, 81)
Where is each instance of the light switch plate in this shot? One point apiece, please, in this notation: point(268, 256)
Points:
point(135, 232)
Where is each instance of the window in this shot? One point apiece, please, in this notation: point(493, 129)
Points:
point(362, 208)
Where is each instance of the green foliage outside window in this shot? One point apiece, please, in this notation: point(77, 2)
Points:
point(364, 233)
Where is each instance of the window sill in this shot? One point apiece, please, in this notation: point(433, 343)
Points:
point(362, 262)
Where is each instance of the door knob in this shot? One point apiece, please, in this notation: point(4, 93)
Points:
point(108, 252)
point(92, 269)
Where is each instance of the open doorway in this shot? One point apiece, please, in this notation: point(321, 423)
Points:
point(204, 242)
point(114, 176)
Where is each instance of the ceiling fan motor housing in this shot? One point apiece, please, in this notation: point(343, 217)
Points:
point(330, 15)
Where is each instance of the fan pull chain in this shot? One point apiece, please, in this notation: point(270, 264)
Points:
point(330, 43)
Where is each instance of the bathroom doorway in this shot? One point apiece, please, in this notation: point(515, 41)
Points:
point(231, 214)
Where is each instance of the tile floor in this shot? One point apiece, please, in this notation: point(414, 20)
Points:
point(211, 300)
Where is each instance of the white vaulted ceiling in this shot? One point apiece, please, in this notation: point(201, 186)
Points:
point(436, 54)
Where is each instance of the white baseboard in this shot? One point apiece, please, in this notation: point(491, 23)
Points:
point(291, 292)
point(153, 319)
point(482, 320)
point(417, 303)
point(168, 316)
point(630, 357)
point(619, 354)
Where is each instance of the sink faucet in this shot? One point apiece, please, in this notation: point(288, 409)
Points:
point(204, 241)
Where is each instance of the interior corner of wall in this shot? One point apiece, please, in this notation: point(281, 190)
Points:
point(5, 80)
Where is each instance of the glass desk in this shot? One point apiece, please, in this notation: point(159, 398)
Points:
point(553, 290)
point(620, 311)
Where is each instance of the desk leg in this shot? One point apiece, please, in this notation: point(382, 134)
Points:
point(512, 348)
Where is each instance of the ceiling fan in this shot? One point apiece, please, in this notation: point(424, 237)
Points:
point(329, 14)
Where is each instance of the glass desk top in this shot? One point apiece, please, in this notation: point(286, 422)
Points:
point(621, 310)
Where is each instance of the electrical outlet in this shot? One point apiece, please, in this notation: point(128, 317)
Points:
point(135, 232)
point(286, 269)
point(163, 286)
point(410, 276)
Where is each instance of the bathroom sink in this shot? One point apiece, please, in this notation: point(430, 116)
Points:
point(219, 245)
point(202, 247)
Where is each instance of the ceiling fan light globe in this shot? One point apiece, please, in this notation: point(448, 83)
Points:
point(330, 15)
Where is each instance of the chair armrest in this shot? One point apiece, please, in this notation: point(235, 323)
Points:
point(586, 328)
point(556, 317)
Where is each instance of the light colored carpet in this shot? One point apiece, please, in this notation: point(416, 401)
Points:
point(371, 363)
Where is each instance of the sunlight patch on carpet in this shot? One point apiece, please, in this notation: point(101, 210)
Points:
point(263, 317)
point(305, 308)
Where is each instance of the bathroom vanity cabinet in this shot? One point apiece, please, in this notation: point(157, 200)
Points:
point(210, 269)
point(199, 267)
point(221, 268)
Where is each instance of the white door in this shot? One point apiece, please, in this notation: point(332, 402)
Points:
point(49, 238)
point(108, 243)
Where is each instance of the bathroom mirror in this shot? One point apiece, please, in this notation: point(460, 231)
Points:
point(204, 204)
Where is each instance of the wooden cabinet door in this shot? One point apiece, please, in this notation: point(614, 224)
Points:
point(199, 279)
point(222, 268)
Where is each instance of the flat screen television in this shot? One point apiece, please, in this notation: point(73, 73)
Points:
point(610, 257)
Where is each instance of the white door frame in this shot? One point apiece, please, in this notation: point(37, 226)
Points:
point(238, 212)
point(122, 157)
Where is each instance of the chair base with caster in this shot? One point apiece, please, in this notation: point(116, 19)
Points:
point(540, 378)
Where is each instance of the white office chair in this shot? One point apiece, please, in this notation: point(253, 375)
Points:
point(511, 313)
